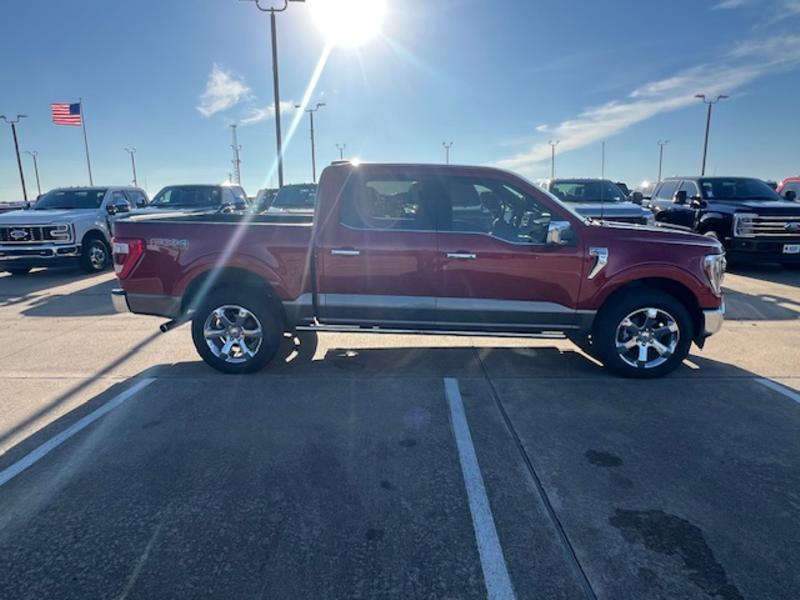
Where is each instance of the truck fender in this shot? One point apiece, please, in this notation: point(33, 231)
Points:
point(713, 221)
point(237, 268)
point(675, 280)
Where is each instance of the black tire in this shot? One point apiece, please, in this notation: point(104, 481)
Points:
point(19, 271)
point(620, 306)
point(261, 309)
point(95, 256)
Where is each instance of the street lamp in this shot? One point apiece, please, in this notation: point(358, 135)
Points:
point(340, 148)
point(13, 123)
point(661, 144)
point(33, 155)
point(710, 104)
point(553, 145)
point(275, 79)
point(447, 147)
point(237, 162)
point(311, 112)
point(132, 151)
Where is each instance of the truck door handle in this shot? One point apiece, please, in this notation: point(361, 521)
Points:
point(462, 255)
point(345, 252)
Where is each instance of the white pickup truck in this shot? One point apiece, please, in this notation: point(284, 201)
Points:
point(66, 226)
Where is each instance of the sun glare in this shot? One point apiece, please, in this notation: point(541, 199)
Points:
point(348, 22)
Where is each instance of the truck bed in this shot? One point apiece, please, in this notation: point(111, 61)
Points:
point(179, 247)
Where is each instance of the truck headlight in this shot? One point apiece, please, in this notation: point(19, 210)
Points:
point(743, 224)
point(59, 233)
point(714, 267)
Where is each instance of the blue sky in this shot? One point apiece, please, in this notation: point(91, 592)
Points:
point(497, 79)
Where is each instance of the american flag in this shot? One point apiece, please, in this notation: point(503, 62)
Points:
point(65, 113)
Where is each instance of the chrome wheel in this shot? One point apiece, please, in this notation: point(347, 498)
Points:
point(647, 338)
point(233, 334)
point(97, 257)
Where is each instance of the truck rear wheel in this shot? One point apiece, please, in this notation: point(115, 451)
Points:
point(236, 331)
point(642, 334)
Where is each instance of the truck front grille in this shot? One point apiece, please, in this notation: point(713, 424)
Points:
point(767, 226)
point(35, 234)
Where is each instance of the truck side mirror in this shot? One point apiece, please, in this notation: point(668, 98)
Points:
point(637, 198)
point(790, 195)
point(697, 202)
point(680, 197)
point(559, 233)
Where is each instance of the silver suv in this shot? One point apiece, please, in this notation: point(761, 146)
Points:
point(66, 226)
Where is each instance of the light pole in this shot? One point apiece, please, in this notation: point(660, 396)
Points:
point(33, 155)
point(447, 147)
point(275, 79)
point(710, 104)
point(13, 123)
point(661, 144)
point(237, 162)
point(132, 151)
point(340, 148)
point(311, 112)
point(553, 145)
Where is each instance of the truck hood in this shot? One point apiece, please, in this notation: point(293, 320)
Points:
point(656, 234)
point(44, 217)
point(609, 209)
point(767, 207)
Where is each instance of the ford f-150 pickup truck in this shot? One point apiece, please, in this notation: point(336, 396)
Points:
point(424, 248)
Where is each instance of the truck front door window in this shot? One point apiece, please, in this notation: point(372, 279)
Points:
point(496, 209)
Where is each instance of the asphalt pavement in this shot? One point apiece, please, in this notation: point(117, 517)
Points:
point(385, 466)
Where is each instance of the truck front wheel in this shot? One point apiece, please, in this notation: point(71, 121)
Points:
point(94, 255)
point(642, 334)
point(236, 331)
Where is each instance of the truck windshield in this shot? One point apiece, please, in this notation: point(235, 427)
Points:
point(70, 199)
point(734, 188)
point(296, 196)
point(577, 190)
point(184, 196)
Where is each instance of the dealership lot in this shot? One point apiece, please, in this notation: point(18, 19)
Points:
point(338, 471)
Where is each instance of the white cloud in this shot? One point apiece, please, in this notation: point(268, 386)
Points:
point(223, 91)
point(745, 63)
point(256, 115)
point(729, 4)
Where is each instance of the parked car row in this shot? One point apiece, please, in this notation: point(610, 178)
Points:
point(74, 226)
point(424, 248)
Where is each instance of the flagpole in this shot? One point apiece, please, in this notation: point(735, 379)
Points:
point(86, 141)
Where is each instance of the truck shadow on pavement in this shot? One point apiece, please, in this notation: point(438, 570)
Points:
point(741, 306)
point(19, 289)
point(771, 273)
point(74, 304)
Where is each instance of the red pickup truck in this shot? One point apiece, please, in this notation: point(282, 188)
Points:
point(424, 248)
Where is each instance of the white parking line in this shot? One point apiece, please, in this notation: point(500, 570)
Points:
point(34, 456)
point(774, 385)
point(493, 563)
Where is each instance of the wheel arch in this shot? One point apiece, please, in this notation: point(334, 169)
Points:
point(210, 280)
point(677, 289)
point(715, 222)
point(95, 234)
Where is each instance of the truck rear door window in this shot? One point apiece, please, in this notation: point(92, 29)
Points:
point(397, 202)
